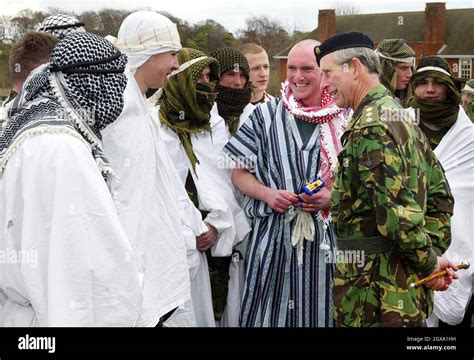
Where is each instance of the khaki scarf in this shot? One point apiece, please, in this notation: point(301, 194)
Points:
point(185, 105)
point(440, 113)
point(231, 103)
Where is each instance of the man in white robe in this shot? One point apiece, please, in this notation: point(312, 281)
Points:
point(434, 93)
point(195, 143)
point(65, 258)
point(232, 107)
point(149, 196)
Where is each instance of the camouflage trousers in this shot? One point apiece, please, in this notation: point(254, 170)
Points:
point(378, 294)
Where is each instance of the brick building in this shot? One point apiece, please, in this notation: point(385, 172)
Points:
point(436, 31)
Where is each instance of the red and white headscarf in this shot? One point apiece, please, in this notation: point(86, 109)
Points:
point(333, 122)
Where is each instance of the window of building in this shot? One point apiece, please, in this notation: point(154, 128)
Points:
point(465, 67)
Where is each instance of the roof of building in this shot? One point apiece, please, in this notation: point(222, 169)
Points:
point(459, 39)
point(408, 26)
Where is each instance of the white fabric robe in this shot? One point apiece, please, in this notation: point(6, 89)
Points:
point(194, 312)
point(216, 195)
point(456, 154)
point(230, 317)
point(77, 267)
point(148, 205)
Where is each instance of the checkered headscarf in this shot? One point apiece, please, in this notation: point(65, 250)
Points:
point(231, 102)
point(60, 25)
point(80, 91)
point(392, 52)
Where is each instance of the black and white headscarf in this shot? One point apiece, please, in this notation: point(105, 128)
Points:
point(79, 92)
point(60, 25)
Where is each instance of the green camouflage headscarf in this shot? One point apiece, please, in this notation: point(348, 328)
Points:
point(469, 89)
point(391, 53)
point(441, 113)
point(185, 105)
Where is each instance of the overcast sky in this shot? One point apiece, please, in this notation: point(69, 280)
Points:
point(293, 15)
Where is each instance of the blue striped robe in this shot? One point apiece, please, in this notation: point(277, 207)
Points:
point(279, 292)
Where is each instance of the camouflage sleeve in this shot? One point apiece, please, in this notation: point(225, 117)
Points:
point(392, 190)
point(440, 203)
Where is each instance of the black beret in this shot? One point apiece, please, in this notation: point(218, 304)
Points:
point(342, 41)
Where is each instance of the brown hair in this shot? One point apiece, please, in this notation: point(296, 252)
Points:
point(250, 48)
point(32, 50)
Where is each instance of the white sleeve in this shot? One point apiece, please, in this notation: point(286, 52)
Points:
point(216, 191)
point(85, 274)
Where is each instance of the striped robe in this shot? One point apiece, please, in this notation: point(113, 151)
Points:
point(279, 292)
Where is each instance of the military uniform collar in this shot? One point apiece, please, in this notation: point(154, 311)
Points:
point(374, 94)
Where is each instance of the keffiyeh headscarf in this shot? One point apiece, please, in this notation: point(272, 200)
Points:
point(60, 25)
point(231, 102)
point(441, 113)
point(79, 92)
point(313, 114)
point(143, 34)
point(391, 53)
point(333, 123)
point(185, 105)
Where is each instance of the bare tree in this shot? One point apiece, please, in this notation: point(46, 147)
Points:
point(58, 10)
point(103, 22)
point(26, 20)
point(343, 7)
point(266, 32)
point(4, 24)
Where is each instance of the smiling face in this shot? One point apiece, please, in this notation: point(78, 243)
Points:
point(431, 89)
point(338, 81)
point(158, 67)
point(304, 77)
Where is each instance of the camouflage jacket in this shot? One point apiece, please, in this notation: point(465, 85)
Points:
point(388, 184)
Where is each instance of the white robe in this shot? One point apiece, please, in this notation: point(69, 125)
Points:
point(148, 205)
point(77, 265)
point(456, 154)
point(194, 312)
point(230, 317)
point(216, 195)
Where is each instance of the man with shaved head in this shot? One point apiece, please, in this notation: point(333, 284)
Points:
point(284, 144)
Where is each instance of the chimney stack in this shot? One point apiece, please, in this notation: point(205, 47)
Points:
point(435, 23)
point(326, 24)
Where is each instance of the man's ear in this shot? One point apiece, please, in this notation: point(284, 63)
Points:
point(357, 68)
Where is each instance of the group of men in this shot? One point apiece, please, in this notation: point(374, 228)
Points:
point(155, 185)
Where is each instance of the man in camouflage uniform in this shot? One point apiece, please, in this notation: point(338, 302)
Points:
point(397, 61)
point(390, 200)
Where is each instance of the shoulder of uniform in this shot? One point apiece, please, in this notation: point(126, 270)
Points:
point(370, 116)
point(397, 114)
point(385, 110)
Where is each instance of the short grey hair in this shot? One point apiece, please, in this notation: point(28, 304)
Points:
point(366, 56)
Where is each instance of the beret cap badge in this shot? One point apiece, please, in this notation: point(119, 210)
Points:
point(342, 41)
